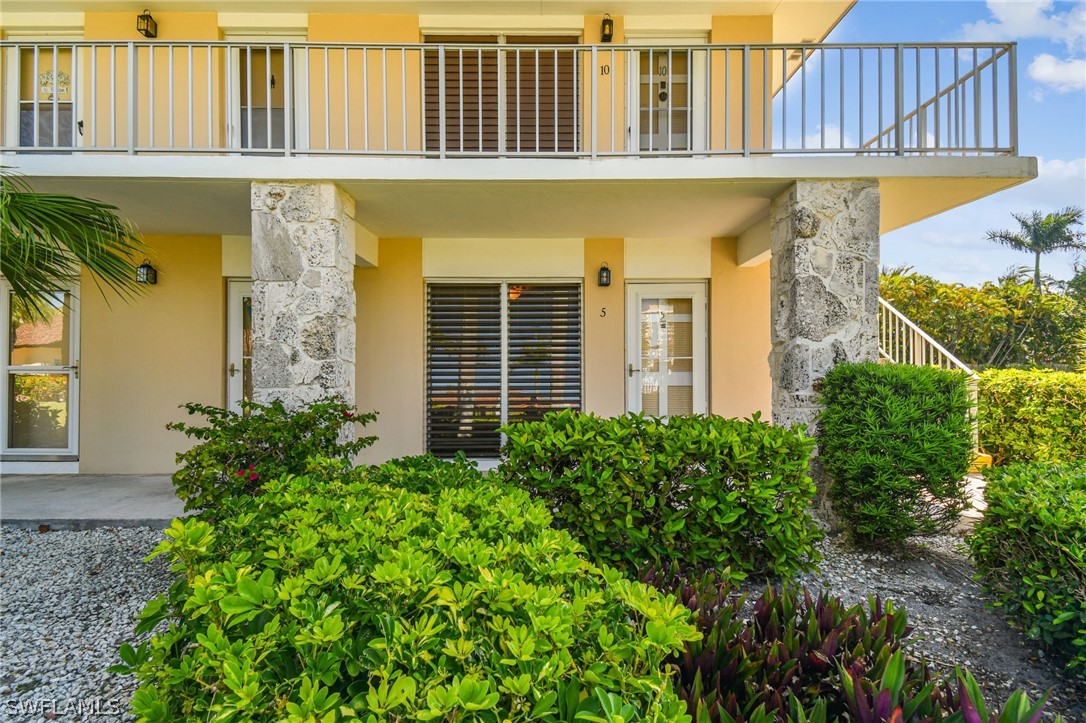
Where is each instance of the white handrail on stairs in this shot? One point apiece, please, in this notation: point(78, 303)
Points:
point(903, 342)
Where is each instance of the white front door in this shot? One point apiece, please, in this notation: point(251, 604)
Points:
point(666, 344)
point(39, 384)
point(669, 93)
point(239, 344)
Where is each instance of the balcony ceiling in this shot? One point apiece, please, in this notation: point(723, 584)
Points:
point(516, 198)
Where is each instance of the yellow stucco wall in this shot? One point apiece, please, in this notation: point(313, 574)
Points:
point(390, 349)
point(109, 123)
point(726, 130)
point(140, 360)
point(604, 336)
point(739, 335)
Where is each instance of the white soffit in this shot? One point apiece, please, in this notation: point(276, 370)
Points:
point(503, 258)
point(668, 258)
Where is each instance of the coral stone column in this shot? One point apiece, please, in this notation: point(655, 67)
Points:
point(303, 292)
point(824, 288)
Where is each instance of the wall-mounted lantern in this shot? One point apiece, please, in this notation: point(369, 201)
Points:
point(146, 274)
point(604, 277)
point(607, 29)
point(146, 25)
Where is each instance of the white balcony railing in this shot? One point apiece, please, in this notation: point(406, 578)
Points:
point(439, 100)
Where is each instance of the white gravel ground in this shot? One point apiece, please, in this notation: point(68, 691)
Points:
point(69, 600)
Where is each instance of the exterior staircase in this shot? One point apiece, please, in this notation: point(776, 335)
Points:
point(903, 342)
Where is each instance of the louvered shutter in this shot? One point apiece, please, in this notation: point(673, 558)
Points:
point(544, 350)
point(541, 96)
point(463, 369)
point(540, 90)
point(471, 95)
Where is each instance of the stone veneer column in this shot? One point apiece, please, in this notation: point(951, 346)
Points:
point(824, 288)
point(303, 292)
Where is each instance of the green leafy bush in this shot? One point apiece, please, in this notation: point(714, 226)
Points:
point(1033, 416)
point(425, 473)
point(1030, 550)
point(795, 657)
point(237, 453)
point(707, 492)
point(329, 596)
point(896, 442)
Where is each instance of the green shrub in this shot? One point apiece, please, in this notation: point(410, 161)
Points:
point(707, 492)
point(329, 597)
point(425, 473)
point(1030, 550)
point(237, 453)
point(1033, 416)
point(795, 657)
point(896, 442)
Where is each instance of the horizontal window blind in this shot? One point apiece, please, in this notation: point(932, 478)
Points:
point(474, 331)
point(463, 369)
point(544, 347)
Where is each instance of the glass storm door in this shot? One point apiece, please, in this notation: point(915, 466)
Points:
point(668, 91)
point(40, 383)
point(666, 349)
point(239, 344)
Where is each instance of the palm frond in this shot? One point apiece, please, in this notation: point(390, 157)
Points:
point(46, 239)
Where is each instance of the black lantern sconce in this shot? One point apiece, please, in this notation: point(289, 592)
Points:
point(147, 26)
point(604, 277)
point(607, 32)
point(146, 274)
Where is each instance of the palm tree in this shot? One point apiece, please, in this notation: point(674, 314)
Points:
point(45, 239)
point(1043, 234)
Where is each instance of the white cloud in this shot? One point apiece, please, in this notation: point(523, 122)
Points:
point(1062, 76)
point(1019, 19)
point(1057, 170)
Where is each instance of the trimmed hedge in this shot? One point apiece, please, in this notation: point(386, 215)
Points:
point(330, 597)
point(896, 441)
point(1030, 549)
point(1033, 416)
point(704, 492)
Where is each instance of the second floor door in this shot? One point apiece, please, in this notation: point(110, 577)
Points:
point(668, 95)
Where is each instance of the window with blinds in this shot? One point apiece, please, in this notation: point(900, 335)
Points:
point(509, 97)
point(495, 354)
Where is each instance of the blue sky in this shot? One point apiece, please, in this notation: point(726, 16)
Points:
point(1051, 39)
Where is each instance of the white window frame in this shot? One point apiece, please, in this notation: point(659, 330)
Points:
point(62, 454)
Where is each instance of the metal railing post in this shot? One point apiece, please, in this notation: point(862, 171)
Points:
point(1012, 80)
point(132, 117)
point(441, 100)
point(746, 100)
point(899, 100)
point(593, 123)
point(288, 100)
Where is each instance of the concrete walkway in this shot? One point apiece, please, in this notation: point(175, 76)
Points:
point(83, 501)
